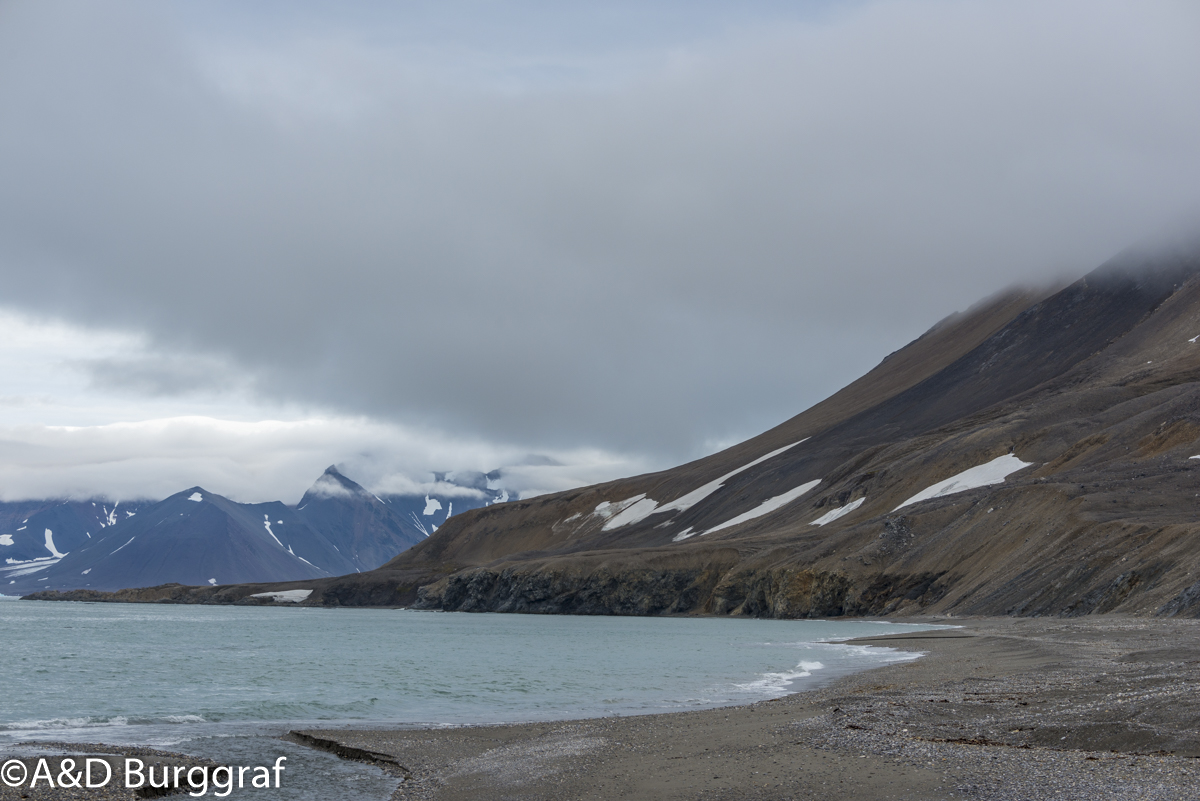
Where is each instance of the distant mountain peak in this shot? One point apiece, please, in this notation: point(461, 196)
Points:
point(332, 484)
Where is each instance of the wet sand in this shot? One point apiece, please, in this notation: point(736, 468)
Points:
point(1094, 708)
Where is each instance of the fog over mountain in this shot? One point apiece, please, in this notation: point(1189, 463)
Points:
point(571, 243)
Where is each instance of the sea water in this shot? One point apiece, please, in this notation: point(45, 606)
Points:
point(225, 681)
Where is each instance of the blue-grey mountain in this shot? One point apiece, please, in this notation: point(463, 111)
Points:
point(199, 537)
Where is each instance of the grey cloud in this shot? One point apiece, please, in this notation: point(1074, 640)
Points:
point(162, 376)
point(687, 256)
point(267, 460)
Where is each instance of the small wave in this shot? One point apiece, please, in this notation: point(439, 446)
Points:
point(185, 719)
point(778, 683)
point(64, 723)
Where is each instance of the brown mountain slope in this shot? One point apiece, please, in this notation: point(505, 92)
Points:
point(1081, 407)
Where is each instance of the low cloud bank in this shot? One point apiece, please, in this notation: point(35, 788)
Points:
point(267, 460)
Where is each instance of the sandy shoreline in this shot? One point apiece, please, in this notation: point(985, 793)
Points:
point(1083, 709)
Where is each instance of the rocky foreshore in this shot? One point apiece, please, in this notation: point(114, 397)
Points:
point(999, 710)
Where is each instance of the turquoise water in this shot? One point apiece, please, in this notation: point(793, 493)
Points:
point(221, 681)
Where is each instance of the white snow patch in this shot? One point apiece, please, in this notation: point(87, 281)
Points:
point(607, 509)
point(417, 522)
point(700, 493)
point(683, 535)
point(267, 523)
point(195, 496)
point(449, 509)
point(84, 573)
point(284, 596)
point(50, 545)
point(112, 516)
point(25, 570)
point(6, 539)
point(129, 515)
point(834, 514)
point(993, 472)
point(1190, 457)
point(301, 558)
point(212, 581)
point(131, 539)
point(22, 528)
point(431, 505)
point(767, 506)
point(641, 509)
point(637, 511)
point(1193, 339)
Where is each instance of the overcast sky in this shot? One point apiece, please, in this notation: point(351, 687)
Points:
point(242, 241)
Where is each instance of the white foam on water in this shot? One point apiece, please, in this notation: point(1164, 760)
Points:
point(52, 724)
point(776, 684)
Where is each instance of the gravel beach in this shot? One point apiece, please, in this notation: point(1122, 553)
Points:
point(1085, 708)
point(1095, 708)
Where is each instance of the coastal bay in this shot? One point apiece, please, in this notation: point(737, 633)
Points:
point(1090, 708)
point(1100, 707)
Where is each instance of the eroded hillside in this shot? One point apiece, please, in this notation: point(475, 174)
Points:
point(1031, 456)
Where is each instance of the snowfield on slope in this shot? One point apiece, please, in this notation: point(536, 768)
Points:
point(638, 508)
point(284, 596)
point(993, 472)
point(766, 507)
point(834, 514)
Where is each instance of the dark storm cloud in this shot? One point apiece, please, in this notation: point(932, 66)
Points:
point(702, 246)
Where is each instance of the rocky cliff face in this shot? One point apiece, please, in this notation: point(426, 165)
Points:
point(1032, 456)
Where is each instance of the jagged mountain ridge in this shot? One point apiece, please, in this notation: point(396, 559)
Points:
point(365, 528)
point(1030, 456)
point(197, 537)
point(34, 534)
